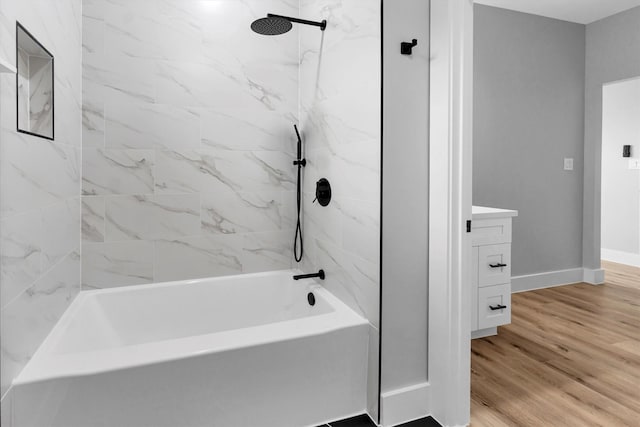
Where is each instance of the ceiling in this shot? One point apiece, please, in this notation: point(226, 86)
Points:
point(580, 11)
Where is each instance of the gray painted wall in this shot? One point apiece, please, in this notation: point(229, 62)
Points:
point(405, 189)
point(528, 116)
point(612, 53)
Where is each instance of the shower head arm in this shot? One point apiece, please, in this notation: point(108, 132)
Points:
point(322, 24)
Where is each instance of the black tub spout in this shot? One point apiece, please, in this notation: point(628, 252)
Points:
point(319, 274)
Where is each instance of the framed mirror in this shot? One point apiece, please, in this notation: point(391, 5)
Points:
point(34, 86)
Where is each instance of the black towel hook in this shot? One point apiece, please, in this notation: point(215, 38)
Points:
point(406, 48)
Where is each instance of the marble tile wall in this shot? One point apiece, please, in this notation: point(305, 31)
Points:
point(34, 93)
point(22, 68)
point(340, 120)
point(39, 188)
point(40, 96)
point(187, 140)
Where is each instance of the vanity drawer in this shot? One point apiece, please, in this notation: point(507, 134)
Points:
point(494, 306)
point(494, 266)
point(490, 231)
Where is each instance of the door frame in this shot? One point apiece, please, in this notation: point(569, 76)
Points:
point(451, 111)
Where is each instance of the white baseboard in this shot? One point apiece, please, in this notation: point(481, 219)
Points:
point(551, 279)
point(627, 258)
point(405, 404)
point(548, 279)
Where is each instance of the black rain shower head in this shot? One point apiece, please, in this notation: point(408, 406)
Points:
point(274, 25)
point(271, 26)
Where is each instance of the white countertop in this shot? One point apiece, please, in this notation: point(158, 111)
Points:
point(483, 212)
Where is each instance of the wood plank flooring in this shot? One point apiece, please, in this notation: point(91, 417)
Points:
point(570, 357)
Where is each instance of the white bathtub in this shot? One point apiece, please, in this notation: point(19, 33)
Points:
point(241, 351)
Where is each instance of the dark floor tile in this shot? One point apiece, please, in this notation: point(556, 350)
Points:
point(359, 421)
point(365, 421)
point(424, 422)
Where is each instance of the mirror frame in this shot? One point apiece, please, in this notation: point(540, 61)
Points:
point(20, 27)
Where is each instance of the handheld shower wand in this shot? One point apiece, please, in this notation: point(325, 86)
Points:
point(300, 162)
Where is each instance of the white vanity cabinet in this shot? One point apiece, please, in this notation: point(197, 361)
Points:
point(491, 270)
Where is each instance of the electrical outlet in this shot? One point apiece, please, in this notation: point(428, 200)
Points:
point(568, 164)
point(634, 164)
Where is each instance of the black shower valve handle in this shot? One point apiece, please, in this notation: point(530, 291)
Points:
point(323, 192)
point(301, 162)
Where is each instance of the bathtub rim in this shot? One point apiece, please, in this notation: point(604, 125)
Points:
point(47, 365)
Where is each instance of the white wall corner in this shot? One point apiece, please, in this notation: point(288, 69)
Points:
point(405, 404)
point(593, 276)
point(548, 279)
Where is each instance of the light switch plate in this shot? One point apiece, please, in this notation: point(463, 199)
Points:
point(568, 164)
point(634, 164)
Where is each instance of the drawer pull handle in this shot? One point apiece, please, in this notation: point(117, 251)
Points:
point(497, 307)
point(498, 265)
